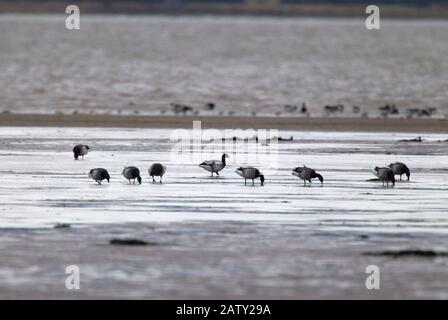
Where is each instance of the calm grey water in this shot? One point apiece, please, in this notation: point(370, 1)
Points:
point(142, 63)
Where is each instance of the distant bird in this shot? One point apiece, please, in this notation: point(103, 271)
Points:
point(157, 170)
point(385, 175)
point(132, 173)
point(290, 108)
point(210, 106)
point(400, 169)
point(250, 173)
point(214, 166)
point(306, 174)
point(304, 108)
point(333, 108)
point(99, 174)
point(181, 108)
point(80, 150)
point(388, 109)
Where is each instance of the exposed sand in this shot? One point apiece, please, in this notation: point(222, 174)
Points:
point(292, 123)
point(211, 260)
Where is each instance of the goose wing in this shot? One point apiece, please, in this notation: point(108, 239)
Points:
point(247, 172)
point(209, 162)
point(157, 169)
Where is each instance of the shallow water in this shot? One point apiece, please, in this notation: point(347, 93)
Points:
point(42, 184)
point(143, 63)
point(215, 237)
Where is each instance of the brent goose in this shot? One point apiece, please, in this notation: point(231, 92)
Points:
point(250, 173)
point(385, 175)
point(99, 174)
point(306, 174)
point(214, 166)
point(132, 173)
point(400, 169)
point(80, 150)
point(158, 170)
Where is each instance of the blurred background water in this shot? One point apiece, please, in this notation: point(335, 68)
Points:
point(141, 64)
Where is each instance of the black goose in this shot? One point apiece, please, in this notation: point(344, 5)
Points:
point(80, 150)
point(306, 174)
point(214, 166)
point(132, 173)
point(250, 173)
point(385, 175)
point(157, 170)
point(99, 174)
point(400, 169)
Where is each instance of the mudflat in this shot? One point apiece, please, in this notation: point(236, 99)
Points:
point(214, 237)
point(291, 123)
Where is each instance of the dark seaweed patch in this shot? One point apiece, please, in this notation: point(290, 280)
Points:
point(62, 226)
point(408, 253)
point(130, 242)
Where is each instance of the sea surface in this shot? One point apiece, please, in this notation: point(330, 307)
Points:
point(141, 64)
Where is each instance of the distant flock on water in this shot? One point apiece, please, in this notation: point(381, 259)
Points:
point(383, 111)
point(384, 174)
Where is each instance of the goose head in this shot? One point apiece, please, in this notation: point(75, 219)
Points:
point(408, 174)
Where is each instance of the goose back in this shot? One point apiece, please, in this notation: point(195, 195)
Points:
point(99, 174)
point(157, 169)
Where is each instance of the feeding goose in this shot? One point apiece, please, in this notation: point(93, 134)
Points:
point(99, 174)
point(80, 150)
point(400, 169)
point(250, 173)
point(158, 170)
point(306, 174)
point(385, 175)
point(214, 166)
point(132, 173)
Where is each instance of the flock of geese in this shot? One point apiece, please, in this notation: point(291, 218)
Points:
point(384, 174)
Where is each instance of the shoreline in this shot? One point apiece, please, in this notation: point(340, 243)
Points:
point(231, 122)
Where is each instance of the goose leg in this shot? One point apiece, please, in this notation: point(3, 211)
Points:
point(217, 173)
point(99, 182)
point(245, 182)
point(153, 180)
point(304, 182)
point(253, 183)
point(400, 176)
point(212, 173)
